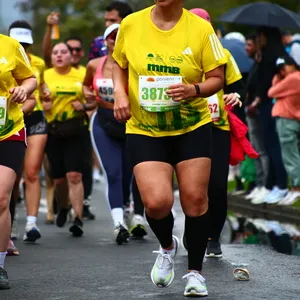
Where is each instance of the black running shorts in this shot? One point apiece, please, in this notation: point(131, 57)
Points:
point(35, 123)
point(12, 154)
point(171, 149)
point(67, 155)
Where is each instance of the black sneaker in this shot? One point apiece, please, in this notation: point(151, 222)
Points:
point(62, 217)
point(121, 235)
point(86, 214)
point(4, 284)
point(76, 228)
point(213, 249)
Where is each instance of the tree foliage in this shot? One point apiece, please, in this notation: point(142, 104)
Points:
point(84, 18)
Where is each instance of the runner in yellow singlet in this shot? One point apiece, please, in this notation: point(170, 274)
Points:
point(169, 123)
point(36, 130)
point(17, 82)
point(66, 116)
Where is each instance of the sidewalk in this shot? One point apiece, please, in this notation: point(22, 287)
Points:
point(281, 213)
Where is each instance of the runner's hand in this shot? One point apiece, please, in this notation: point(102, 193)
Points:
point(47, 106)
point(53, 18)
point(46, 95)
point(19, 94)
point(122, 111)
point(232, 99)
point(77, 105)
point(181, 91)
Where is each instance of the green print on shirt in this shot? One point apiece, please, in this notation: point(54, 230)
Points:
point(8, 127)
point(221, 121)
point(61, 93)
point(163, 69)
point(178, 122)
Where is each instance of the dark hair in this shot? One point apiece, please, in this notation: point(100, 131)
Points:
point(274, 47)
point(123, 8)
point(20, 24)
point(251, 37)
point(64, 44)
point(75, 38)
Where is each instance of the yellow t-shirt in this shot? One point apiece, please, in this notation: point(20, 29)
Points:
point(82, 70)
point(190, 50)
point(14, 65)
point(38, 69)
point(218, 112)
point(64, 90)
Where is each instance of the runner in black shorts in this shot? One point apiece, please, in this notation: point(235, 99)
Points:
point(67, 129)
point(36, 131)
point(169, 124)
point(12, 133)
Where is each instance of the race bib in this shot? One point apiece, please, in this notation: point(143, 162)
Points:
point(3, 110)
point(213, 104)
point(105, 89)
point(152, 93)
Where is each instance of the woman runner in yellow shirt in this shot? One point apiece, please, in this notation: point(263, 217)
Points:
point(66, 116)
point(36, 130)
point(17, 82)
point(165, 51)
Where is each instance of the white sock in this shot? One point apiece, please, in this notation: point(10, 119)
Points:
point(31, 219)
point(2, 259)
point(117, 216)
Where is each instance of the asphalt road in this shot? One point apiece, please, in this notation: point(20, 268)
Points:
point(60, 267)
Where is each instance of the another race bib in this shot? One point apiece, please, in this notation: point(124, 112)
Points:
point(213, 104)
point(106, 89)
point(3, 110)
point(152, 93)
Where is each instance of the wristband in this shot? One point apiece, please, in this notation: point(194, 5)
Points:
point(197, 88)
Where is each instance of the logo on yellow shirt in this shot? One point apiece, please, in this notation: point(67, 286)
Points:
point(163, 69)
point(3, 60)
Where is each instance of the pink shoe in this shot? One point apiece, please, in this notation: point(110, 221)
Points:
point(12, 249)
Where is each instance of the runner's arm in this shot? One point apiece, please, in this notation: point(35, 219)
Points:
point(214, 82)
point(28, 105)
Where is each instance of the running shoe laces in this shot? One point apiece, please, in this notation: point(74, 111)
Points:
point(195, 285)
point(163, 259)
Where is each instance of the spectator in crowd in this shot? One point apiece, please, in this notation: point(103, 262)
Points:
point(286, 110)
point(271, 47)
point(255, 130)
point(292, 45)
point(115, 12)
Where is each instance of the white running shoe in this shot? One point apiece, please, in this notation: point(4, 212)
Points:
point(32, 233)
point(294, 197)
point(195, 286)
point(276, 195)
point(286, 198)
point(162, 273)
point(253, 193)
point(137, 226)
point(259, 199)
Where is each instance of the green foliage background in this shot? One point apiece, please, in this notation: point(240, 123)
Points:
point(84, 18)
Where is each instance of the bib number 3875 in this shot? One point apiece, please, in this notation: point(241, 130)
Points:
point(3, 110)
point(152, 93)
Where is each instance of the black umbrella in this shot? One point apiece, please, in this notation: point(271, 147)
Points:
point(262, 14)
